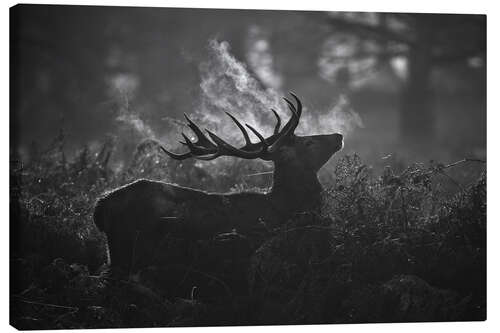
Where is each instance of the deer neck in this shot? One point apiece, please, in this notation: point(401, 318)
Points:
point(295, 188)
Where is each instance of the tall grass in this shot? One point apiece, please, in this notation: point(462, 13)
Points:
point(399, 246)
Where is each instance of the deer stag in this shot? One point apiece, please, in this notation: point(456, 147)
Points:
point(136, 216)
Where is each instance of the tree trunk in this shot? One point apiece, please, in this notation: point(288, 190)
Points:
point(417, 123)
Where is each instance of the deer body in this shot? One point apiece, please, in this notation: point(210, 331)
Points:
point(137, 216)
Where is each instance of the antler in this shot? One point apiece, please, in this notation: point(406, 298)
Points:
point(206, 149)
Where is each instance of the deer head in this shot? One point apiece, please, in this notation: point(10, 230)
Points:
point(297, 159)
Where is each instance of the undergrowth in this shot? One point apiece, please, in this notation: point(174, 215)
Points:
point(389, 247)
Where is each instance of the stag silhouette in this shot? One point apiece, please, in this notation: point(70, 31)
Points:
point(137, 216)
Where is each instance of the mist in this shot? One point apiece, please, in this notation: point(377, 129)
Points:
point(135, 72)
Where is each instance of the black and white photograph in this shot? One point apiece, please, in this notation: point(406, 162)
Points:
point(195, 167)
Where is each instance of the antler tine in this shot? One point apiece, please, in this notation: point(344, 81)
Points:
point(197, 149)
point(202, 139)
point(290, 105)
point(261, 138)
point(178, 157)
point(242, 129)
point(208, 157)
point(289, 128)
point(278, 124)
point(203, 146)
point(220, 142)
point(295, 111)
point(299, 103)
point(227, 149)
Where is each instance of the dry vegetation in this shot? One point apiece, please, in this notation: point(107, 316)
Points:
point(390, 247)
